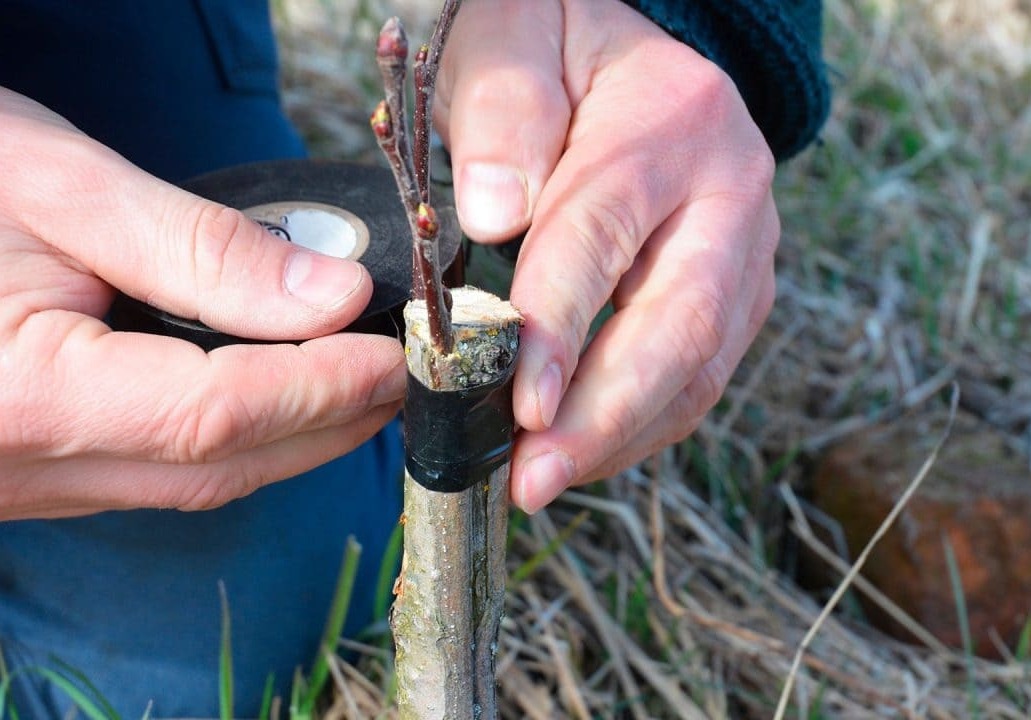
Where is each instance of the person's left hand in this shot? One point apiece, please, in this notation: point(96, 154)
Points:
point(642, 178)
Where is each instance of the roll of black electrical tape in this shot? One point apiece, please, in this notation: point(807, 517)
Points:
point(342, 209)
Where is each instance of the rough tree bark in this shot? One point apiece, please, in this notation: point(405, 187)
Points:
point(451, 590)
point(461, 348)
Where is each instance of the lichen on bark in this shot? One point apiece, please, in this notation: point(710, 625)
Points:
point(450, 594)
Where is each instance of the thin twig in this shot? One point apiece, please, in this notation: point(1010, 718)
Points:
point(438, 314)
point(805, 534)
point(391, 58)
point(412, 173)
point(424, 81)
point(861, 560)
point(659, 541)
point(427, 63)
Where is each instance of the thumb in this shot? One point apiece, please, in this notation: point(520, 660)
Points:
point(160, 244)
point(502, 110)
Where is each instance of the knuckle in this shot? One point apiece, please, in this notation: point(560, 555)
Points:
point(699, 337)
point(206, 490)
point(684, 414)
point(617, 425)
point(713, 89)
point(678, 420)
point(755, 169)
point(687, 408)
point(609, 234)
point(209, 430)
point(710, 383)
point(752, 164)
point(760, 164)
point(216, 229)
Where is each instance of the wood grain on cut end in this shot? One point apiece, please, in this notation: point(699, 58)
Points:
point(486, 338)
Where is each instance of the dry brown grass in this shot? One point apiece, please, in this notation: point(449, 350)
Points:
point(905, 265)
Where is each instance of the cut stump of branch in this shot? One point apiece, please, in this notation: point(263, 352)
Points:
point(450, 594)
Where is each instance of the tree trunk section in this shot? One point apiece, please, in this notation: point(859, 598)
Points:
point(450, 594)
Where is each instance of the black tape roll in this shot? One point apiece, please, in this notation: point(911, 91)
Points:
point(365, 196)
point(456, 438)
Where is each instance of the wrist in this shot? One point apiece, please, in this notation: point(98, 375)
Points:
point(771, 49)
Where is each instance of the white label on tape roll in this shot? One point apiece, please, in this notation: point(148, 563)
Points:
point(317, 226)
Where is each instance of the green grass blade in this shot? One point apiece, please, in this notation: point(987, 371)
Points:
point(81, 700)
point(73, 683)
point(517, 522)
point(537, 559)
point(5, 685)
point(266, 697)
point(387, 572)
point(225, 660)
point(297, 692)
point(84, 682)
point(964, 626)
point(816, 707)
point(1024, 642)
point(334, 625)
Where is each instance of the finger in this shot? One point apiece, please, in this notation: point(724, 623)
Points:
point(82, 486)
point(689, 407)
point(625, 170)
point(186, 255)
point(502, 110)
point(161, 399)
point(653, 348)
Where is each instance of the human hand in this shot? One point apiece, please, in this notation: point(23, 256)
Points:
point(92, 419)
point(642, 178)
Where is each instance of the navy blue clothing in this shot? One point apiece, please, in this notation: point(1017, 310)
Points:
point(131, 599)
point(181, 87)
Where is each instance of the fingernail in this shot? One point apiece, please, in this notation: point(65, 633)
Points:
point(549, 392)
point(493, 199)
point(319, 279)
point(545, 477)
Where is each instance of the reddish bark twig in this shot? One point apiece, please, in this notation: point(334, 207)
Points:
point(411, 170)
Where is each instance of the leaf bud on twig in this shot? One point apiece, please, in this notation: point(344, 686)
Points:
point(381, 122)
point(426, 222)
point(392, 44)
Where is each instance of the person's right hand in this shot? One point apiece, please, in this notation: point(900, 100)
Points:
point(92, 419)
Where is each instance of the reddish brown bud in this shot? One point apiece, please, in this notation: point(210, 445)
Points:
point(426, 222)
point(380, 121)
point(422, 53)
point(392, 42)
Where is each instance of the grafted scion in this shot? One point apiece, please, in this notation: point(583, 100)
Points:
point(410, 162)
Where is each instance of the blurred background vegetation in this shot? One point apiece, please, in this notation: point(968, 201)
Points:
point(905, 266)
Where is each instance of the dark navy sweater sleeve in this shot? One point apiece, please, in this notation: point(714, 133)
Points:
point(771, 49)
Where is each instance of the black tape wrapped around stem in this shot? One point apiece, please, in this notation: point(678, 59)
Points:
point(456, 438)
